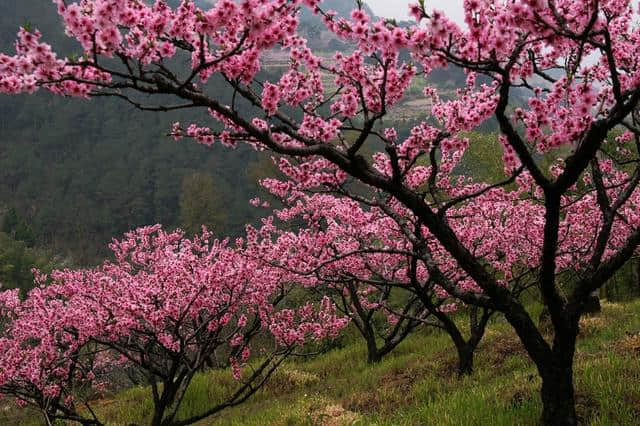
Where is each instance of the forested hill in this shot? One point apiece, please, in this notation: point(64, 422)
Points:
point(79, 173)
point(342, 7)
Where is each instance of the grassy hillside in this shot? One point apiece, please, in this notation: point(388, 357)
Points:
point(417, 384)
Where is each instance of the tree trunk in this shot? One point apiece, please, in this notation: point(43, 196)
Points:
point(373, 357)
point(592, 304)
point(465, 348)
point(165, 401)
point(554, 363)
point(373, 354)
point(158, 415)
point(558, 402)
point(558, 397)
point(465, 360)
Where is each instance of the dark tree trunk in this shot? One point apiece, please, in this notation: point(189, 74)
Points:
point(165, 401)
point(373, 354)
point(557, 392)
point(592, 304)
point(554, 363)
point(373, 357)
point(158, 415)
point(465, 360)
point(558, 398)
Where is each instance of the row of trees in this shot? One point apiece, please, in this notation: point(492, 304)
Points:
point(165, 309)
point(398, 215)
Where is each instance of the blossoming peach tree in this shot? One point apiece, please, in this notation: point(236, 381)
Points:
point(576, 61)
point(165, 307)
point(331, 256)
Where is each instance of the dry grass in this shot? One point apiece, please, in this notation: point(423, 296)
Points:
point(629, 345)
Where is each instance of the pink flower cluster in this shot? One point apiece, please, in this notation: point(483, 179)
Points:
point(179, 299)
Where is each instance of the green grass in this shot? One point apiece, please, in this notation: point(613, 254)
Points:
point(417, 384)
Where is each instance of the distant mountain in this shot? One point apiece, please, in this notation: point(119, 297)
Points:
point(342, 7)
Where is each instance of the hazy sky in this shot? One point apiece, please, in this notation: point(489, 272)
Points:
point(399, 8)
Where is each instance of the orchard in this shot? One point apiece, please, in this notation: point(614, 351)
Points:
point(372, 215)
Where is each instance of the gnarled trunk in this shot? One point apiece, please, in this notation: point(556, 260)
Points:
point(554, 362)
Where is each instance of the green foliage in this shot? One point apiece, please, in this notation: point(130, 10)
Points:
point(200, 203)
point(483, 159)
point(17, 260)
point(17, 228)
point(10, 221)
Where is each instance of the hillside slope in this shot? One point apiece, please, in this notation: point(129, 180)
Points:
point(417, 384)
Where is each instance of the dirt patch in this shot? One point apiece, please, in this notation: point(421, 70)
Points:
point(591, 325)
point(394, 390)
point(366, 402)
point(401, 380)
point(500, 349)
point(629, 345)
point(334, 415)
point(377, 402)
